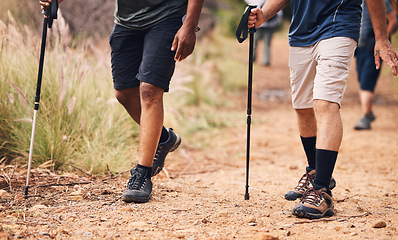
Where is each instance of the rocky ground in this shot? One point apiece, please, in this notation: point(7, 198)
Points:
point(201, 193)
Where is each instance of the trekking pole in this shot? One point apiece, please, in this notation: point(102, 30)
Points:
point(241, 35)
point(50, 13)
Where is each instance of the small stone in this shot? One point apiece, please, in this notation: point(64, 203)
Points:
point(44, 233)
point(286, 212)
point(59, 210)
point(293, 167)
point(380, 224)
point(251, 219)
point(63, 231)
point(204, 220)
point(223, 214)
point(287, 226)
point(3, 193)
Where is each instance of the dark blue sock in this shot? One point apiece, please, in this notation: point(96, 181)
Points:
point(164, 135)
point(310, 150)
point(325, 161)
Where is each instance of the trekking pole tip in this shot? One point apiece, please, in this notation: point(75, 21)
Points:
point(26, 192)
point(247, 197)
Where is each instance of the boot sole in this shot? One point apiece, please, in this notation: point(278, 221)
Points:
point(301, 213)
point(129, 199)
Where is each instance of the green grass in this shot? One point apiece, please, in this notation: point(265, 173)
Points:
point(79, 121)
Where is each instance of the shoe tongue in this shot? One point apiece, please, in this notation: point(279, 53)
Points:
point(308, 169)
point(142, 171)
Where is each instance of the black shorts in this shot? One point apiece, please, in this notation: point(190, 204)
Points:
point(143, 55)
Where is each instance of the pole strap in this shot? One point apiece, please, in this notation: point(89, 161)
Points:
point(51, 12)
point(242, 30)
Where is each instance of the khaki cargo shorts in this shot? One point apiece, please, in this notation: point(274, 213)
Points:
point(320, 71)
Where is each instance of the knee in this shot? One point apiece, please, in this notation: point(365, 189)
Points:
point(305, 112)
point(129, 96)
point(122, 97)
point(151, 94)
point(324, 107)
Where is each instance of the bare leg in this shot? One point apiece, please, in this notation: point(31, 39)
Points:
point(306, 122)
point(145, 106)
point(366, 101)
point(130, 99)
point(152, 115)
point(330, 127)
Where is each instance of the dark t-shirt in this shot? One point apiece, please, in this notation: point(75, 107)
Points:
point(142, 14)
point(314, 20)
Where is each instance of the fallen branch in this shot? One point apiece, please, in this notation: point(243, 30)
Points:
point(113, 177)
point(342, 200)
point(91, 176)
point(64, 184)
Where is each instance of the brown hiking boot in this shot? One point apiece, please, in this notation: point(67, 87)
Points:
point(304, 184)
point(315, 204)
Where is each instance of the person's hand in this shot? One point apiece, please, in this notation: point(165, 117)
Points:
point(384, 50)
point(184, 42)
point(46, 3)
point(256, 18)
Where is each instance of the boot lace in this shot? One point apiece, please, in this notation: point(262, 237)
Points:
point(304, 181)
point(312, 197)
point(158, 150)
point(136, 181)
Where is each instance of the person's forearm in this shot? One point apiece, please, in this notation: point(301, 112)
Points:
point(272, 7)
point(193, 13)
point(377, 12)
point(392, 23)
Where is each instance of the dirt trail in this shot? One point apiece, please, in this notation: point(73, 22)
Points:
point(203, 197)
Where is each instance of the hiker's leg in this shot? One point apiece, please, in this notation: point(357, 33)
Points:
point(302, 73)
point(130, 99)
point(152, 115)
point(330, 127)
point(334, 57)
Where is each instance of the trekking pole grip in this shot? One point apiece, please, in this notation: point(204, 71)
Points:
point(51, 12)
point(242, 30)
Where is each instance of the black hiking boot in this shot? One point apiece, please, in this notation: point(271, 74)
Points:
point(315, 204)
point(304, 184)
point(163, 149)
point(139, 186)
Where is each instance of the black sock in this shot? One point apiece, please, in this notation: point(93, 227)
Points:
point(310, 150)
point(325, 161)
point(164, 135)
point(147, 170)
